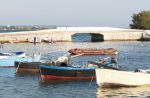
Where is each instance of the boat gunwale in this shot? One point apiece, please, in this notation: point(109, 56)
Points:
point(65, 68)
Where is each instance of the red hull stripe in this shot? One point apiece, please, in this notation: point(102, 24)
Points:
point(49, 77)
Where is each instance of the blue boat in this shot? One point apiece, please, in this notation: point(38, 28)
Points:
point(9, 60)
point(67, 73)
point(50, 73)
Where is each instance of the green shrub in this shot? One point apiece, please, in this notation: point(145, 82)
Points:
point(141, 20)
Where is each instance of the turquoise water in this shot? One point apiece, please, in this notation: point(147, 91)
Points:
point(131, 55)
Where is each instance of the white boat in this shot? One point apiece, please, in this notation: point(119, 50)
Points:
point(8, 61)
point(48, 40)
point(12, 54)
point(34, 39)
point(13, 40)
point(115, 78)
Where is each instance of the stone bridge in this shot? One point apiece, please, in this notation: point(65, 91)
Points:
point(66, 34)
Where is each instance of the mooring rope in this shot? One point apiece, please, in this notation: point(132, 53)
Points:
point(39, 75)
point(91, 81)
point(18, 67)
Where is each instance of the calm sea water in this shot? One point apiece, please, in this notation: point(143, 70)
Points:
point(81, 37)
point(132, 55)
point(8, 31)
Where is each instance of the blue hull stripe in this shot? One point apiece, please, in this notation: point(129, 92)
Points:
point(66, 68)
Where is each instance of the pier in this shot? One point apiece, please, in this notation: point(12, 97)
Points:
point(66, 33)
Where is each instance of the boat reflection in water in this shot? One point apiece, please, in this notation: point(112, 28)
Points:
point(132, 92)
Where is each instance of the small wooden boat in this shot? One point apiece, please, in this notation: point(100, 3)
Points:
point(32, 67)
point(67, 73)
point(115, 78)
point(91, 51)
point(52, 73)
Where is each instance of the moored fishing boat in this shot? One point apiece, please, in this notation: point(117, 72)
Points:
point(65, 72)
point(33, 66)
point(90, 51)
point(50, 73)
point(26, 66)
point(114, 78)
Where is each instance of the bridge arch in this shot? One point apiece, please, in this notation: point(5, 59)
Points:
point(87, 37)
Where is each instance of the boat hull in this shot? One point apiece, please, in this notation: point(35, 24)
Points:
point(49, 73)
point(64, 78)
point(23, 67)
point(93, 51)
point(114, 78)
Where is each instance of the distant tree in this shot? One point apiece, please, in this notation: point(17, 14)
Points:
point(141, 20)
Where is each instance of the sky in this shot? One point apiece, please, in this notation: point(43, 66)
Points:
point(104, 13)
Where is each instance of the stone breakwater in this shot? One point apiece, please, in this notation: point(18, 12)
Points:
point(66, 33)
